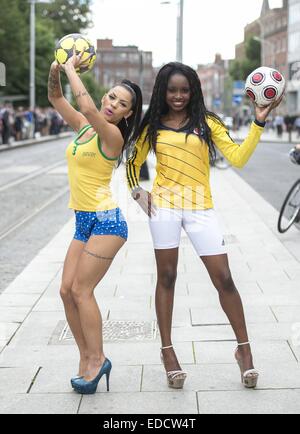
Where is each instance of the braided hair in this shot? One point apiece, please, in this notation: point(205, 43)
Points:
point(196, 110)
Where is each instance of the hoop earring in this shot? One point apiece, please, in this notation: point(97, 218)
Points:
point(126, 122)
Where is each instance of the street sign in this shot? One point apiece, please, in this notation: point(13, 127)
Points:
point(237, 99)
point(238, 87)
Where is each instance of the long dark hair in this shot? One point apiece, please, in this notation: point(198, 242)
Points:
point(130, 127)
point(196, 110)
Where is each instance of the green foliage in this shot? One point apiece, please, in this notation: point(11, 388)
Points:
point(240, 69)
point(53, 20)
point(66, 16)
point(13, 46)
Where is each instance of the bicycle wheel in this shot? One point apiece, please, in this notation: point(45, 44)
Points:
point(290, 211)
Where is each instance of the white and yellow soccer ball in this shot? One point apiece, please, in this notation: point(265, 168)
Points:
point(64, 50)
point(264, 85)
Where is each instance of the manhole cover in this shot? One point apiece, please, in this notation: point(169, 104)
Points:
point(112, 331)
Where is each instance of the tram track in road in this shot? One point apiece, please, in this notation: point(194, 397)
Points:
point(30, 216)
point(33, 174)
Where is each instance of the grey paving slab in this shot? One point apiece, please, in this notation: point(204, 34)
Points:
point(13, 314)
point(113, 278)
point(268, 331)
point(202, 290)
point(215, 315)
point(263, 352)
point(274, 287)
point(250, 402)
point(18, 300)
point(44, 356)
point(57, 380)
point(139, 403)
point(145, 353)
point(206, 333)
point(16, 380)
point(37, 328)
point(7, 330)
point(287, 313)
point(221, 377)
point(39, 404)
point(26, 287)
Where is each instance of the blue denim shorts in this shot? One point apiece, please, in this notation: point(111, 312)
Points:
point(111, 222)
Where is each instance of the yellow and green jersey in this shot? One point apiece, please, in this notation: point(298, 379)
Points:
point(90, 172)
point(183, 170)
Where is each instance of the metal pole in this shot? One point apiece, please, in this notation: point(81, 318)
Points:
point(179, 54)
point(32, 55)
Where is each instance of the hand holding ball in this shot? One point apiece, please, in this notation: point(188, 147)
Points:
point(78, 44)
point(265, 86)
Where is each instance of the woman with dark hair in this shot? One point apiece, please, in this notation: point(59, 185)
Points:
point(101, 230)
point(183, 133)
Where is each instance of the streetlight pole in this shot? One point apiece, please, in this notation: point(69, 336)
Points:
point(179, 54)
point(32, 55)
point(179, 37)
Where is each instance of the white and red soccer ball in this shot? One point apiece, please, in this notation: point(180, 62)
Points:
point(264, 85)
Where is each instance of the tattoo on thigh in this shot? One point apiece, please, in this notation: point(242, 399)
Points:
point(97, 256)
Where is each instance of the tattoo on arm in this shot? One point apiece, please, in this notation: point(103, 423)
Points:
point(54, 86)
point(80, 94)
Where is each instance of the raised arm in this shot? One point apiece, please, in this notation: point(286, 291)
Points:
point(55, 95)
point(109, 133)
point(238, 155)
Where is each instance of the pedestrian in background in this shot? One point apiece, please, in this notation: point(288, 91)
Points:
point(101, 229)
point(182, 133)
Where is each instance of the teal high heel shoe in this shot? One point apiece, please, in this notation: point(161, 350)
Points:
point(74, 379)
point(84, 387)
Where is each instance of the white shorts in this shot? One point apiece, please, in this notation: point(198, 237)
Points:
point(201, 226)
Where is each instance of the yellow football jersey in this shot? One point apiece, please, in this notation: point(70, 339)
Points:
point(183, 170)
point(90, 172)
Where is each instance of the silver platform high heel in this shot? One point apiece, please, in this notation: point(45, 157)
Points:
point(249, 378)
point(175, 379)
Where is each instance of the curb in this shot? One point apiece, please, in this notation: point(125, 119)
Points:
point(30, 142)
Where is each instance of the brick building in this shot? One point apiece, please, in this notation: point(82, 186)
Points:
point(274, 26)
point(293, 89)
point(214, 80)
point(251, 30)
point(115, 63)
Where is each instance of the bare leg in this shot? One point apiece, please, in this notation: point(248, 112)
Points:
point(93, 265)
point(218, 269)
point(74, 253)
point(166, 262)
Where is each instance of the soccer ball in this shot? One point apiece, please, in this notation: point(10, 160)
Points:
point(264, 85)
point(64, 50)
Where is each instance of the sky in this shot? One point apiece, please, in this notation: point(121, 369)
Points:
point(210, 26)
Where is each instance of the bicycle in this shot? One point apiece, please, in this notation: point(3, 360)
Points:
point(290, 210)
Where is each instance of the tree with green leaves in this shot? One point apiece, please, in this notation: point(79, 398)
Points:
point(53, 20)
point(240, 69)
point(14, 36)
point(66, 16)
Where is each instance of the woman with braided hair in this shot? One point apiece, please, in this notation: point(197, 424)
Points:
point(183, 133)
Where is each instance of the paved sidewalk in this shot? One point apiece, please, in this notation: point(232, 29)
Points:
point(38, 357)
point(267, 136)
